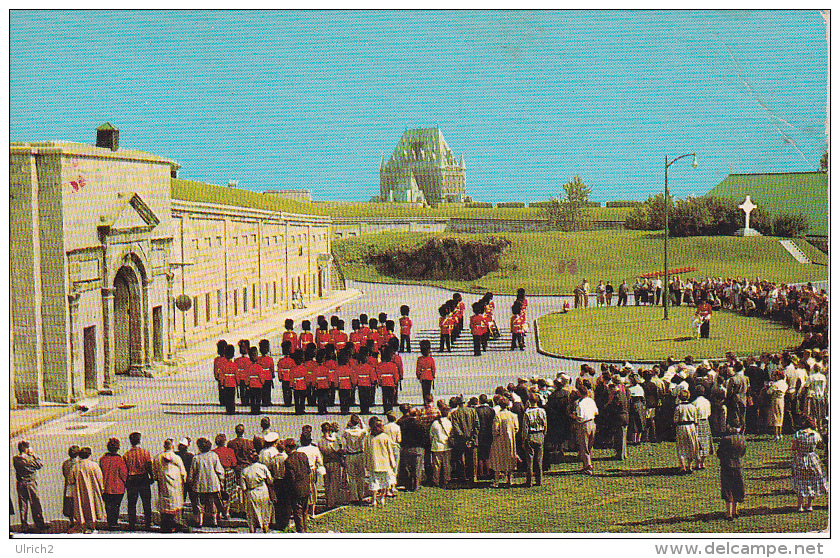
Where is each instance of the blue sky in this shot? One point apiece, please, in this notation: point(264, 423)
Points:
point(314, 99)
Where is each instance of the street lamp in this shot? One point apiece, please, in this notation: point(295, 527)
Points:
point(667, 278)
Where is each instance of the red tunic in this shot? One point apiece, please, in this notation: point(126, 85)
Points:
point(243, 363)
point(218, 363)
point(365, 374)
point(305, 338)
point(284, 367)
point(321, 376)
point(374, 336)
point(397, 359)
point(387, 373)
point(339, 339)
point(517, 323)
point(346, 377)
point(292, 338)
point(446, 324)
point(298, 377)
point(477, 324)
point(230, 371)
point(405, 325)
point(267, 364)
point(426, 368)
point(357, 338)
point(322, 338)
point(254, 375)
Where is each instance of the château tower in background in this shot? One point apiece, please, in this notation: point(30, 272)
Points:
point(422, 169)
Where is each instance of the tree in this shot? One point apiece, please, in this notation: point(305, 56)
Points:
point(650, 215)
point(572, 213)
point(824, 162)
point(790, 225)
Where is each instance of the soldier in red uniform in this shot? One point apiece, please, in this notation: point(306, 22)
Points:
point(229, 371)
point(405, 329)
point(217, 368)
point(254, 378)
point(309, 358)
point(356, 336)
point(298, 376)
point(457, 310)
point(517, 327)
point(388, 375)
point(305, 337)
point(373, 335)
point(346, 379)
point(267, 364)
point(284, 367)
point(321, 381)
point(243, 362)
point(322, 335)
point(446, 322)
point(331, 366)
point(394, 344)
point(339, 338)
point(426, 368)
point(382, 320)
point(478, 328)
point(363, 325)
point(366, 380)
point(290, 335)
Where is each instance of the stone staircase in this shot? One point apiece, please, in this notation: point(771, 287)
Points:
point(794, 251)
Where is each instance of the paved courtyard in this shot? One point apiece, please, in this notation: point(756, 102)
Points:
point(186, 404)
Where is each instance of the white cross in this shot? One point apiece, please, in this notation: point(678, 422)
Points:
point(747, 206)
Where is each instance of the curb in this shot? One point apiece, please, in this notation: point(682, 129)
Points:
point(60, 412)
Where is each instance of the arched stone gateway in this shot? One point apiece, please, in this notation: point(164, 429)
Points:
point(128, 344)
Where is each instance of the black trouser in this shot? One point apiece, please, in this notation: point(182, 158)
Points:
point(221, 394)
point(427, 387)
point(533, 461)
point(282, 508)
point(243, 393)
point(405, 343)
point(344, 396)
point(331, 396)
point(389, 398)
point(704, 329)
point(365, 399)
point(138, 485)
point(266, 392)
point(311, 396)
point(299, 506)
point(464, 464)
point(322, 395)
point(658, 295)
point(445, 341)
point(517, 340)
point(255, 397)
point(287, 393)
point(300, 401)
point(622, 299)
point(411, 467)
point(477, 345)
point(229, 394)
point(112, 507)
point(485, 337)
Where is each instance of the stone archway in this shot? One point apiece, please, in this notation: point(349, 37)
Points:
point(128, 325)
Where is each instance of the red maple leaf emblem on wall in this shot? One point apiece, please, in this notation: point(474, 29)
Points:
point(78, 184)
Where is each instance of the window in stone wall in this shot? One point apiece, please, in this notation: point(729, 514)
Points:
point(207, 307)
point(267, 292)
point(254, 238)
point(195, 244)
point(218, 303)
point(209, 242)
point(275, 240)
point(254, 295)
point(195, 311)
point(304, 285)
point(300, 251)
point(244, 300)
point(219, 240)
point(245, 239)
point(235, 302)
point(236, 241)
point(275, 292)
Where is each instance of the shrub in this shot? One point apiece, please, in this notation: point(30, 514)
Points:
point(478, 204)
point(540, 204)
point(510, 204)
point(790, 224)
point(623, 203)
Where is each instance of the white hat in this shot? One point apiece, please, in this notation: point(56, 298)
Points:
point(184, 442)
point(271, 437)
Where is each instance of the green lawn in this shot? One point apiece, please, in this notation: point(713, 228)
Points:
point(639, 333)
point(367, 209)
point(532, 261)
point(640, 495)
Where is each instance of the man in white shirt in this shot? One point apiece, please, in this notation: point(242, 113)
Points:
point(585, 412)
point(439, 434)
point(273, 458)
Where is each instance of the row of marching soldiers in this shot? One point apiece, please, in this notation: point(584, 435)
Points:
point(314, 368)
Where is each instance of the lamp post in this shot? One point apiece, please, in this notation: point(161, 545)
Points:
point(666, 289)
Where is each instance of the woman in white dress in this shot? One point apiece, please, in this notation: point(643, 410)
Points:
point(170, 475)
point(258, 506)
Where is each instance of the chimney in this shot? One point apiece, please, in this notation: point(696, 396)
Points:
point(108, 136)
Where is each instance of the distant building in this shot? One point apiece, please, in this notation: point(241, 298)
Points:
point(422, 170)
point(292, 194)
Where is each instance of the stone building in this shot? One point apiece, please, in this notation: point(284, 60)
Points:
point(422, 170)
point(102, 240)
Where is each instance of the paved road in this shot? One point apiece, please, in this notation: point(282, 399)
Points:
point(174, 407)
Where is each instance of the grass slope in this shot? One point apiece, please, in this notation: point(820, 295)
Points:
point(601, 334)
point(532, 260)
point(795, 192)
point(639, 495)
point(189, 190)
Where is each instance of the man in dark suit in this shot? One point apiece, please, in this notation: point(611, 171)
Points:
point(297, 483)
